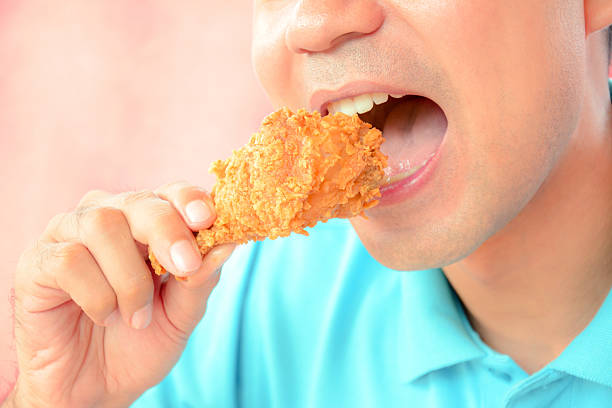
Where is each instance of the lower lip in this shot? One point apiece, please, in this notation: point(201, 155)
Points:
point(408, 187)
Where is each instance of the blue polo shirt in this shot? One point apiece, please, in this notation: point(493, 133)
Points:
point(316, 322)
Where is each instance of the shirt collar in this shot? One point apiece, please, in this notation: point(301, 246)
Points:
point(432, 333)
point(589, 355)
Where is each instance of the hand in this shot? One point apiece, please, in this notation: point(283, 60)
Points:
point(94, 326)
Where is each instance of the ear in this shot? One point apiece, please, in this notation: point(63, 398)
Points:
point(597, 15)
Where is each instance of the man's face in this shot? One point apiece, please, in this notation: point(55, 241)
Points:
point(501, 85)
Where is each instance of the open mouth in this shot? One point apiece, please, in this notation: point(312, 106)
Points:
point(413, 127)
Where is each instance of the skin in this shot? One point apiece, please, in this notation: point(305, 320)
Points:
point(518, 213)
point(89, 311)
point(503, 187)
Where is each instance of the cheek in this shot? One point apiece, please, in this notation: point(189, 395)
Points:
point(266, 62)
point(272, 61)
point(514, 89)
point(518, 100)
point(513, 76)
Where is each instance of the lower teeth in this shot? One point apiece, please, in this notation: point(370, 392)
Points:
point(396, 177)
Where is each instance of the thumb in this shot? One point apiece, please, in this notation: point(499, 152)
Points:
point(185, 298)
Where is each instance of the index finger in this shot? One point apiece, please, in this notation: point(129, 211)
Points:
point(152, 221)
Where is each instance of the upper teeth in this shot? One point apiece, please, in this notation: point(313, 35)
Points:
point(359, 104)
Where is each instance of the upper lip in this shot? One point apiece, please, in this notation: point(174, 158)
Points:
point(321, 97)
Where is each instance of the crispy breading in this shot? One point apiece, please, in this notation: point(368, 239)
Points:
point(299, 169)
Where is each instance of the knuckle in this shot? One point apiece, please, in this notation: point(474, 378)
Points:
point(102, 221)
point(164, 214)
point(29, 263)
point(56, 220)
point(69, 256)
point(101, 305)
point(90, 197)
point(133, 197)
point(137, 288)
point(173, 186)
point(29, 257)
point(195, 190)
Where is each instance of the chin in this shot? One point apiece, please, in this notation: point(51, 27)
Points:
point(412, 250)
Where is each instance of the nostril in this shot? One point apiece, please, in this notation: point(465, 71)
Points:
point(346, 37)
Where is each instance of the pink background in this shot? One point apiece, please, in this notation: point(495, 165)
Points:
point(115, 95)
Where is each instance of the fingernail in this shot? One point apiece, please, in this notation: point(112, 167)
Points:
point(141, 318)
point(185, 257)
point(110, 319)
point(197, 211)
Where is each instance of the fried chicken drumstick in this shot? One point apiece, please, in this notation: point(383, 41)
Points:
point(299, 169)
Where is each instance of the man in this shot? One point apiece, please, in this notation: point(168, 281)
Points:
point(501, 177)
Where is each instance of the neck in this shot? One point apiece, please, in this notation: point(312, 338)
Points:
point(531, 288)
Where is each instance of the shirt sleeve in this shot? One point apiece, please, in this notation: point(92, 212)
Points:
point(206, 374)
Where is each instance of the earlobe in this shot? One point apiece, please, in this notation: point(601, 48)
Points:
point(597, 15)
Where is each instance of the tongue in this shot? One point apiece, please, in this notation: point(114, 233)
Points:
point(413, 131)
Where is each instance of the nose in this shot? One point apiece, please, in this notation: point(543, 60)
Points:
point(320, 25)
